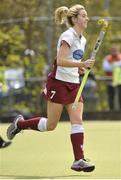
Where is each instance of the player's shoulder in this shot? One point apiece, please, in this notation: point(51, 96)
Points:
point(68, 33)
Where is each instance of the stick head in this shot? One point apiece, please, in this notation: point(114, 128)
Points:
point(103, 23)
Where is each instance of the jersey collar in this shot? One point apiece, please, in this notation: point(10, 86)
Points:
point(75, 33)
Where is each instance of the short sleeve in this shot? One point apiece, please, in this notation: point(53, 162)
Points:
point(68, 38)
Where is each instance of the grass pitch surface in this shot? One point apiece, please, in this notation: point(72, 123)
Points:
point(48, 155)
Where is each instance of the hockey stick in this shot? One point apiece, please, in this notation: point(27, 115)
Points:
point(104, 25)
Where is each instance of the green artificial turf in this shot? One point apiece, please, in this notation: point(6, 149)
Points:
point(36, 155)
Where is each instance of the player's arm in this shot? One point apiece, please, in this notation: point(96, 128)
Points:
point(63, 61)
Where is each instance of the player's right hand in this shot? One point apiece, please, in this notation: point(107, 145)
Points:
point(89, 63)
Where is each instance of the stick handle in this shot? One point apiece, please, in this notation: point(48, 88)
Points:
point(93, 54)
point(75, 104)
point(97, 44)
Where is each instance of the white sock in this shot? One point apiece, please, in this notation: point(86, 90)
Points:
point(42, 125)
point(77, 128)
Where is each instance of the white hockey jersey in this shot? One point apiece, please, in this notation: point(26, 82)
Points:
point(77, 47)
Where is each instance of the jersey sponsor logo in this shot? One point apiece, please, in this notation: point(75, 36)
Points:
point(78, 54)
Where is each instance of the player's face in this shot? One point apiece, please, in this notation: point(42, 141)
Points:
point(82, 19)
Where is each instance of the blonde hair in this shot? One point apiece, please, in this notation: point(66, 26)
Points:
point(63, 14)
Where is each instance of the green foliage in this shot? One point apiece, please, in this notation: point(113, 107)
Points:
point(11, 45)
point(40, 35)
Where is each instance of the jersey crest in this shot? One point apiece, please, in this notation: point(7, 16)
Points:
point(78, 54)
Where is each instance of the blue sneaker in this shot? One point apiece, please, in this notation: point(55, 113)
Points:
point(82, 165)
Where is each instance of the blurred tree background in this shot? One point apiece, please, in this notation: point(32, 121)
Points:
point(28, 38)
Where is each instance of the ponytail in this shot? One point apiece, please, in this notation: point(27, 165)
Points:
point(61, 14)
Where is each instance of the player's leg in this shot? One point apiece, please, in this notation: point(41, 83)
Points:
point(111, 95)
point(77, 139)
point(119, 95)
point(54, 111)
point(77, 130)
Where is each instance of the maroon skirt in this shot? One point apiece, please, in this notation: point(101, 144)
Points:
point(61, 92)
